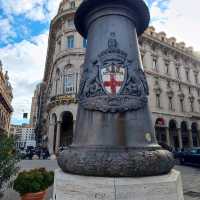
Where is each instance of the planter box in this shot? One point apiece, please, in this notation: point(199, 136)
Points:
point(34, 196)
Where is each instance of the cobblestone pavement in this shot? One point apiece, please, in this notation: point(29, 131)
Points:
point(190, 177)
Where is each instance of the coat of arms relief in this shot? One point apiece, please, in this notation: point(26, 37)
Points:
point(113, 83)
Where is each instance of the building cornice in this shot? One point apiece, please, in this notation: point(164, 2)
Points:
point(175, 114)
point(159, 75)
point(164, 44)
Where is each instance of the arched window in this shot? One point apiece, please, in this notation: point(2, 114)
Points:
point(69, 80)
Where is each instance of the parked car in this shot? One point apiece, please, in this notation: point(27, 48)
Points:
point(190, 156)
point(178, 153)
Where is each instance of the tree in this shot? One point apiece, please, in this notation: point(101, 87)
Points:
point(8, 160)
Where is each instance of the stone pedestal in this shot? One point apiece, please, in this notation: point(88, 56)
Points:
point(74, 187)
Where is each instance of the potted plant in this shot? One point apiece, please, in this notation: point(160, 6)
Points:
point(33, 184)
point(8, 162)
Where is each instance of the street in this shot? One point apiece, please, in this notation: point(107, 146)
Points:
point(190, 177)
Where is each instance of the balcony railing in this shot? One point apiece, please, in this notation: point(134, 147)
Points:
point(61, 100)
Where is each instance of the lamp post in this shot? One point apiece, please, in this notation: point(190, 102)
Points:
point(114, 135)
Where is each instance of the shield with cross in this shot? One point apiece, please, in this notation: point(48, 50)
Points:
point(113, 76)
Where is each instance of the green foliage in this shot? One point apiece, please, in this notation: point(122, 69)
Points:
point(8, 160)
point(33, 181)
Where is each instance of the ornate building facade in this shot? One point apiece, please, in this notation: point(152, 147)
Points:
point(5, 101)
point(172, 70)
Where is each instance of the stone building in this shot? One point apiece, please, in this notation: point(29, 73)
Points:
point(24, 135)
point(5, 101)
point(34, 109)
point(172, 71)
point(37, 120)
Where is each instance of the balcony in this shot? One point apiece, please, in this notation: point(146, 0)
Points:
point(61, 100)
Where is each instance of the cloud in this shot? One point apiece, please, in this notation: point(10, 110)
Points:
point(35, 10)
point(52, 7)
point(6, 30)
point(179, 18)
point(25, 62)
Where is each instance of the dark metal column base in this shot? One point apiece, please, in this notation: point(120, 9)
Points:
point(116, 161)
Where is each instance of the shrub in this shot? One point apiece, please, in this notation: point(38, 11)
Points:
point(8, 160)
point(33, 181)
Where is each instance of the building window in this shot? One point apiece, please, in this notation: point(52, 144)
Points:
point(57, 81)
point(182, 104)
point(142, 58)
point(178, 72)
point(155, 67)
point(168, 84)
point(191, 105)
point(196, 78)
point(198, 92)
point(199, 106)
point(70, 41)
point(70, 23)
point(167, 67)
point(69, 83)
point(189, 90)
point(187, 75)
point(84, 43)
point(170, 103)
point(158, 105)
point(179, 87)
point(69, 80)
point(59, 45)
point(72, 4)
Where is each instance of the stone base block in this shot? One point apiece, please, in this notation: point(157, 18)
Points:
point(74, 187)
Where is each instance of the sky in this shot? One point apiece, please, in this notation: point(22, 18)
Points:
point(24, 28)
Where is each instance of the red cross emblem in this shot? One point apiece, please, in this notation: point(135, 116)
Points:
point(113, 78)
point(113, 84)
